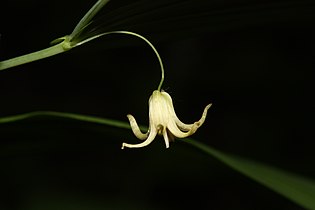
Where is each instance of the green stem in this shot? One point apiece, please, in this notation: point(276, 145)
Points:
point(59, 48)
point(56, 49)
point(66, 45)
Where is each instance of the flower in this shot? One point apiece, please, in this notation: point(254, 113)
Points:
point(163, 121)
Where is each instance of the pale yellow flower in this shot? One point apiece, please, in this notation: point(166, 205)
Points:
point(163, 121)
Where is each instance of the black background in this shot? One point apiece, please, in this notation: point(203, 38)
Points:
point(256, 65)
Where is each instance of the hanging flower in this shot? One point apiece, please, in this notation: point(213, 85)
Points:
point(163, 121)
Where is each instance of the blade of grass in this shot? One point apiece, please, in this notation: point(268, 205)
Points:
point(80, 117)
point(88, 17)
point(172, 19)
point(294, 187)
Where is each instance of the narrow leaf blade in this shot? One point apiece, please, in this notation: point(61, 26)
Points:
point(296, 188)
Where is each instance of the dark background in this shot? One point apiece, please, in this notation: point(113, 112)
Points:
point(253, 61)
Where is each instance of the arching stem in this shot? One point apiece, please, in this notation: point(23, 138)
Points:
point(136, 35)
point(66, 45)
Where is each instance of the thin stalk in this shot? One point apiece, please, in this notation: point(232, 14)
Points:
point(59, 48)
point(66, 45)
point(136, 35)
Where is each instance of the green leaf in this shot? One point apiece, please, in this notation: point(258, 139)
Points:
point(80, 117)
point(85, 21)
point(296, 188)
point(171, 19)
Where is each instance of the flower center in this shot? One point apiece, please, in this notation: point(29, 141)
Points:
point(160, 129)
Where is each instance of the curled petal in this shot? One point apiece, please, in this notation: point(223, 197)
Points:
point(135, 128)
point(192, 127)
point(177, 130)
point(182, 126)
point(172, 113)
point(150, 138)
point(203, 116)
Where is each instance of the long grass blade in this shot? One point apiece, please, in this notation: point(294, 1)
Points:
point(174, 18)
point(88, 17)
point(80, 117)
point(296, 188)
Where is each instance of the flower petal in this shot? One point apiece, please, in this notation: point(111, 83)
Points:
point(177, 130)
point(187, 127)
point(172, 113)
point(150, 138)
point(135, 128)
point(165, 135)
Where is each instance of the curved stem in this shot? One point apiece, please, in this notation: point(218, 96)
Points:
point(50, 51)
point(133, 34)
point(66, 45)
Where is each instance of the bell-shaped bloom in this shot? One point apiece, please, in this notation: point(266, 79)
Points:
point(163, 121)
